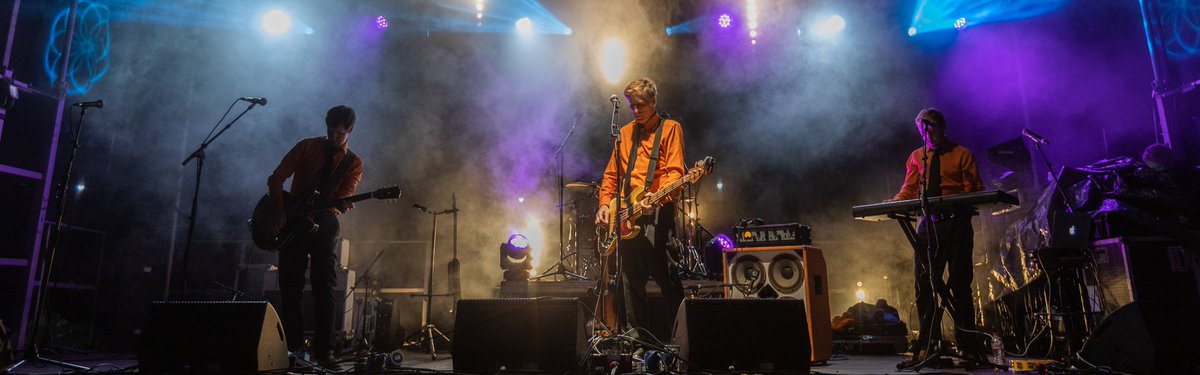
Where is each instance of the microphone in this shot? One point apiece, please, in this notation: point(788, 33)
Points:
point(251, 99)
point(1034, 137)
point(926, 123)
point(616, 101)
point(85, 105)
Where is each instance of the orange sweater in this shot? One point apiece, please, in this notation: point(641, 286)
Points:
point(959, 173)
point(670, 158)
point(303, 164)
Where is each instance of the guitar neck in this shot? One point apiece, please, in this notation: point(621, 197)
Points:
point(658, 195)
point(339, 202)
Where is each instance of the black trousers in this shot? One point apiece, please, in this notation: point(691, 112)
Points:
point(950, 255)
point(649, 255)
point(317, 249)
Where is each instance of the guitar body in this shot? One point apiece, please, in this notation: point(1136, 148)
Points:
point(297, 221)
point(621, 222)
point(300, 210)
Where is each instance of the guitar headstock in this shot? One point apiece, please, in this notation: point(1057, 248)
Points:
point(388, 193)
point(703, 167)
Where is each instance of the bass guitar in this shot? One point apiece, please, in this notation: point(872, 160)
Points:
point(299, 211)
point(621, 224)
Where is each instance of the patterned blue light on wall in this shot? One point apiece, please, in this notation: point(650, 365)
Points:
point(89, 50)
point(1180, 27)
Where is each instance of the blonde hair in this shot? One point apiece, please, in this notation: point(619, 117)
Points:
point(642, 88)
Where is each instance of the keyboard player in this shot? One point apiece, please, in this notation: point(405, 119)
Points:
point(944, 236)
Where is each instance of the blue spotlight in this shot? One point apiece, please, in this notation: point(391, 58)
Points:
point(933, 15)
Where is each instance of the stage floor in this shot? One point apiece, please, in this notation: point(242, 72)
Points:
point(420, 362)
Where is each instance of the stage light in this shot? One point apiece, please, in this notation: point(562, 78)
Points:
point(381, 22)
point(861, 295)
point(830, 27)
point(276, 22)
point(723, 242)
point(79, 187)
point(613, 59)
point(724, 21)
point(525, 26)
point(479, 15)
point(960, 23)
point(720, 186)
point(912, 31)
point(520, 199)
point(516, 258)
point(308, 30)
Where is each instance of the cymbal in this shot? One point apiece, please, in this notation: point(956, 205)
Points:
point(580, 185)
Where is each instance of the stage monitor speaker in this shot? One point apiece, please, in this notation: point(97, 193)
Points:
point(747, 334)
point(212, 336)
point(1148, 338)
point(519, 334)
point(1145, 269)
point(788, 272)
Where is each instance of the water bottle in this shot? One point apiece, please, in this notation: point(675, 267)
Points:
point(997, 356)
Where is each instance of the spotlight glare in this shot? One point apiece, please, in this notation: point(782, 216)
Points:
point(520, 199)
point(724, 20)
point(276, 22)
point(861, 294)
point(479, 16)
point(960, 23)
point(830, 27)
point(912, 31)
point(613, 60)
point(79, 187)
point(754, 41)
point(381, 22)
point(524, 25)
point(479, 7)
point(753, 33)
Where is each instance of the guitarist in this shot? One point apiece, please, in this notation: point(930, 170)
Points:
point(325, 165)
point(651, 153)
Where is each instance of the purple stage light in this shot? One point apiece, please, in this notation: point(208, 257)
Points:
point(381, 22)
point(724, 242)
point(724, 21)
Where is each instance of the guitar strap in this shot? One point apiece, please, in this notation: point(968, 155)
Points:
point(335, 174)
point(637, 136)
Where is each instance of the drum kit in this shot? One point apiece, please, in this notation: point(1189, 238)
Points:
point(580, 252)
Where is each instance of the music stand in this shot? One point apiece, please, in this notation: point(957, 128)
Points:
point(429, 332)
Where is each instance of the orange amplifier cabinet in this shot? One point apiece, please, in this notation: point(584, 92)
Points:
point(785, 272)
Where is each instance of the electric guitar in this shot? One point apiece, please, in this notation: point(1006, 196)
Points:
point(299, 211)
point(621, 224)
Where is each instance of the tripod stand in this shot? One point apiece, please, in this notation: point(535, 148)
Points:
point(32, 354)
point(560, 267)
point(364, 345)
point(429, 331)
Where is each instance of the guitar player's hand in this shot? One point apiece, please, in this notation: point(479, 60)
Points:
point(602, 216)
point(345, 207)
point(645, 203)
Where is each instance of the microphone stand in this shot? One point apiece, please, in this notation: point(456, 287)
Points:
point(32, 354)
point(428, 329)
point(1057, 185)
point(199, 156)
point(614, 133)
point(560, 268)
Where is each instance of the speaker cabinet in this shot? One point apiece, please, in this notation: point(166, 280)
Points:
point(215, 337)
point(785, 272)
point(1146, 269)
point(1148, 338)
point(748, 334)
point(519, 334)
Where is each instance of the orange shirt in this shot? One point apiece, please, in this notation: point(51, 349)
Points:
point(670, 165)
point(959, 173)
point(303, 164)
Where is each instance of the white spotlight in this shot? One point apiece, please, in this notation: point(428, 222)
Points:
point(830, 27)
point(276, 22)
point(613, 59)
point(524, 25)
